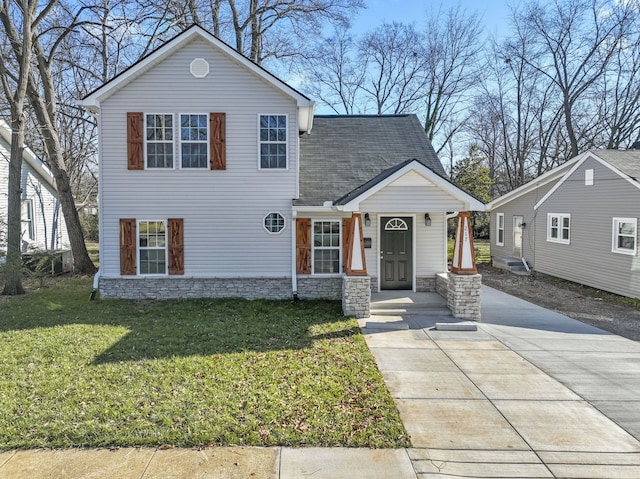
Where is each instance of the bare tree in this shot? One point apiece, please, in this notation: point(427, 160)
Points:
point(395, 62)
point(453, 44)
point(14, 83)
point(576, 41)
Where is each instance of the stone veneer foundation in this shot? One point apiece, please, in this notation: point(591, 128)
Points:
point(462, 293)
point(356, 296)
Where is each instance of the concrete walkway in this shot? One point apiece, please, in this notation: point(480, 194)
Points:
point(530, 394)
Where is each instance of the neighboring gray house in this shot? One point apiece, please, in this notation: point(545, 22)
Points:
point(578, 222)
point(216, 179)
point(43, 226)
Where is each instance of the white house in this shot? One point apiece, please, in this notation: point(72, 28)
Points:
point(43, 226)
point(216, 179)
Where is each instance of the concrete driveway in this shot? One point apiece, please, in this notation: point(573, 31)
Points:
point(531, 393)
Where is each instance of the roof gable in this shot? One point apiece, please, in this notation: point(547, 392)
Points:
point(614, 156)
point(93, 100)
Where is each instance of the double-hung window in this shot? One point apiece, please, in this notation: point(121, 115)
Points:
point(159, 136)
point(326, 247)
point(152, 245)
point(500, 229)
point(194, 141)
point(559, 228)
point(273, 141)
point(625, 235)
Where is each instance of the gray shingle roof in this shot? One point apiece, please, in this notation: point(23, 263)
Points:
point(343, 153)
point(627, 161)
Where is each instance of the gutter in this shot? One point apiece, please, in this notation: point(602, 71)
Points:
point(96, 283)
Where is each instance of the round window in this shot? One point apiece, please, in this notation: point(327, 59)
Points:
point(274, 222)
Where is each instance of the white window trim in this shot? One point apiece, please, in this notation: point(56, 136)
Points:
point(499, 229)
point(560, 217)
point(175, 153)
point(179, 141)
point(284, 219)
point(589, 177)
point(286, 116)
point(614, 239)
point(313, 249)
point(166, 248)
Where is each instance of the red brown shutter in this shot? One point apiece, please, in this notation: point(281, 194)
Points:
point(303, 245)
point(176, 245)
point(128, 247)
point(135, 142)
point(217, 141)
point(346, 233)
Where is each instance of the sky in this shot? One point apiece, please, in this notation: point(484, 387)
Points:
point(494, 14)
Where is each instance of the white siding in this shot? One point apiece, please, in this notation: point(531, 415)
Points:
point(223, 211)
point(411, 198)
point(48, 224)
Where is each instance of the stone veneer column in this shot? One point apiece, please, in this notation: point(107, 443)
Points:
point(463, 295)
point(356, 296)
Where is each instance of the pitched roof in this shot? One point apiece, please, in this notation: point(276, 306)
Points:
point(627, 161)
point(345, 155)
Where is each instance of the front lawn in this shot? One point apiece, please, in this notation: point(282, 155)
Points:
point(186, 373)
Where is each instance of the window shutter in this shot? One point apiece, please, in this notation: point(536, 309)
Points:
point(128, 247)
point(176, 245)
point(346, 232)
point(217, 141)
point(303, 245)
point(135, 143)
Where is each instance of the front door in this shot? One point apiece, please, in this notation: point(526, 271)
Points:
point(517, 236)
point(396, 253)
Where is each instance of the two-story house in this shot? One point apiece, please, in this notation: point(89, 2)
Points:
point(216, 179)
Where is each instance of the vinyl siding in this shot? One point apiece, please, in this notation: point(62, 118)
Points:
point(49, 228)
point(411, 198)
point(223, 211)
point(521, 206)
point(588, 258)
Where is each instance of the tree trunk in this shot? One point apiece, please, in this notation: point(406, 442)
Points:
point(13, 266)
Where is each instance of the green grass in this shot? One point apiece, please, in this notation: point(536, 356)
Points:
point(481, 246)
point(186, 373)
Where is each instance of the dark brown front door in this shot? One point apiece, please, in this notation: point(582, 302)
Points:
point(396, 252)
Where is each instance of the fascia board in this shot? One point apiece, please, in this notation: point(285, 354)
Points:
point(541, 180)
point(93, 100)
point(471, 203)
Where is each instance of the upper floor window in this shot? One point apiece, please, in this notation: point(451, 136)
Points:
point(500, 229)
point(159, 136)
point(625, 235)
point(273, 141)
point(558, 228)
point(194, 140)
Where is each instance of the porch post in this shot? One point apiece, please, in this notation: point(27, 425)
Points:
point(464, 257)
point(464, 282)
point(356, 285)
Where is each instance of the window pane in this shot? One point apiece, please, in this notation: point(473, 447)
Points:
point(626, 242)
point(626, 228)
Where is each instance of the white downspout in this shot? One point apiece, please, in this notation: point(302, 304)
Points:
point(294, 278)
point(446, 238)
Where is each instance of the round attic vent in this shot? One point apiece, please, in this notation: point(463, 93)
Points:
point(199, 68)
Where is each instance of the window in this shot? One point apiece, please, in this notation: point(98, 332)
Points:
point(194, 141)
point(152, 243)
point(159, 136)
point(625, 235)
point(26, 217)
point(500, 229)
point(326, 247)
point(273, 141)
point(588, 177)
point(558, 228)
point(274, 222)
